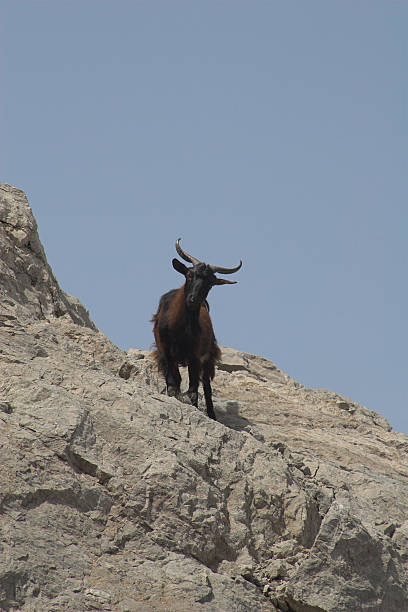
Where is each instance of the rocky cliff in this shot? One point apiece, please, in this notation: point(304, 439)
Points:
point(115, 497)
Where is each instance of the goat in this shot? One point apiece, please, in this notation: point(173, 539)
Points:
point(183, 330)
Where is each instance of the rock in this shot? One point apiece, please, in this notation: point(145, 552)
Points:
point(115, 497)
point(233, 361)
point(28, 288)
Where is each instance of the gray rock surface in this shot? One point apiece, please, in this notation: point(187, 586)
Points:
point(115, 497)
point(28, 288)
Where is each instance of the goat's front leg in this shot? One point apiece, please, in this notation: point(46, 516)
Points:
point(194, 380)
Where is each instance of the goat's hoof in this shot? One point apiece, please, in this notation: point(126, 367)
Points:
point(193, 397)
point(173, 392)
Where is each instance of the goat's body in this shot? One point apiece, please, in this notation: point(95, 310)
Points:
point(183, 330)
point(185, 338)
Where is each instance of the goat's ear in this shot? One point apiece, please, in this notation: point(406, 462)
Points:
point(223, 281)
point(179, 266)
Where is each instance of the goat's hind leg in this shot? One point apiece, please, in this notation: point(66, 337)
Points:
point(173, 379)
point(194, 381)
point(208, 393)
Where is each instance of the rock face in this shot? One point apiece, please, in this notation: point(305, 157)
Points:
point(115, 497)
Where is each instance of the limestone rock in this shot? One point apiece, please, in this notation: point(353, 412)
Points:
point(115, 497)
point(28, 288)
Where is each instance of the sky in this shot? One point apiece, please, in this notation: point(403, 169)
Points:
point(272, 132)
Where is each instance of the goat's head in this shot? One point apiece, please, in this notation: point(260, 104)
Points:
point(199, 278)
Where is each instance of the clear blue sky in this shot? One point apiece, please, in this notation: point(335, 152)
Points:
point(272, 132)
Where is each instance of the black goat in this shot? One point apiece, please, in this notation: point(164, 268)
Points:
point(183, 330)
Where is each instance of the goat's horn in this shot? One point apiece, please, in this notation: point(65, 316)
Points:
point(226, 270)
point(184, 255)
